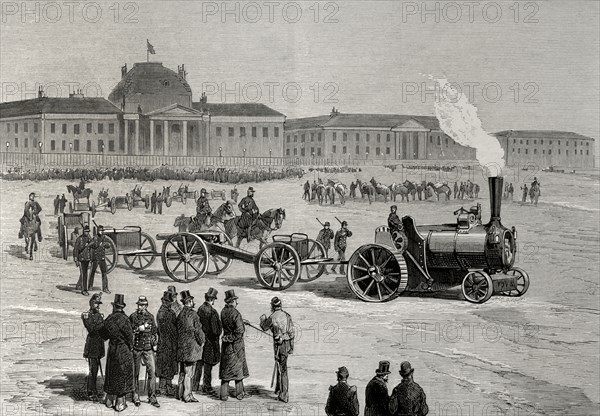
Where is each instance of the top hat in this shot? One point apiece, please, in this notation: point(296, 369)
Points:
point(96, 298)
point(185, 295)
point(343, 372)
point(276, 302)
point(406, 369)
point(86, 227)
point(119, 300)
point(172, 290)
point(230, 296)
point(168, 296)
point(326, 224)
point(142, 301)
point(212, 293)
point(384, 368)
point(203, 190)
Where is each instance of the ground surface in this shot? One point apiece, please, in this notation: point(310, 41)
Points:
point(537, 354)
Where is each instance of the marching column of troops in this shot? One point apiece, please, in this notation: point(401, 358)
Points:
point(181, 341)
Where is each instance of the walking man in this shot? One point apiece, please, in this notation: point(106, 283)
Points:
point(281, 325)
point(408, 398)
point(82, 257)
point(211, 354)
point(233, 352)
point(145, 341)
point(340, 244)
point(93, 351)
point(98, 256)
point(159, 202)
point(190, 340)
point(119, 360)
point(377, 397)
point(324, 237)
point(166, 353)
point(56, 204)
point(62, 203)
point(343, 399)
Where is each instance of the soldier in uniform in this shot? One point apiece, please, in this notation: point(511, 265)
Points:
point(93, 351)
point(408, 398)
point(455, 190)
point(32, 212)
point(525, 193)
point(62, 203)
point(56, 204)
point(234, 193)
point(82, 256)
point(340, 244)
point(159, 202)
point(211, 355)
point(353, 189)
point(343, 399)
point(190, 341)
point(98, 254)
point(324, 237)
point(377, 397)
point(394, 222)
point(203, 209)
point(233, 353)
point(166, 353)
point(175, 306)
point(511, 191)
point(119, 360)
point(144, 343)
point(281, 325)
point(153, 203)
point(249, 211)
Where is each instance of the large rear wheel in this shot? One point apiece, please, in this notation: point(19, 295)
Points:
point(142, 260)
point(111, 256)
point(277, 266)
point(185, 257)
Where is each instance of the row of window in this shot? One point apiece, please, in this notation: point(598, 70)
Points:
point(76, 146)
point(439, 141)
point(587, 152)
point(76, 128)
point(550, 142)
point(254, 132)
point(334, 150)
point(25, 127)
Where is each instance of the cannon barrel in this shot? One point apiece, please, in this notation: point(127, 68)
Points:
point(496, 185)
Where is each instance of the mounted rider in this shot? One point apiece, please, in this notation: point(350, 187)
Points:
point(31, 212)
point(203, 209)
point(249, 210)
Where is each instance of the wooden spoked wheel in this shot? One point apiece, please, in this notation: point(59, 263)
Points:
point(111, 256)
point(147, 202)
point(59, 231)
point(217, 263)
point(522, 282)
point(376, 274)
point(112, 205)
point(141, 261)
point(185, 257)
point(277, 266)
point(312, 272)
point(477, 287)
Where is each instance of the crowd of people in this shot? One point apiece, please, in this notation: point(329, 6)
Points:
point(335, 169)
point(233, 175)
point(436, 168)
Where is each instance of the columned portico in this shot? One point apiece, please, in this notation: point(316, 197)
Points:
point(183, 131)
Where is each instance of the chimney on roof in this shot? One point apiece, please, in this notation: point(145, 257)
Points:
point(123, 71)
point(40, 92)
point(78, 93)
point(203, 98)
point(181, 71)
point(334, 112)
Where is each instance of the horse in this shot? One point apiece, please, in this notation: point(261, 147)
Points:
point(333, 188)
point(224, 213)
point(534, 193)
point(366, 189)
point(266, 223)
point(78, 193)
point(439, 189)
point(166, 191)
point(29, 231)
point(380, 189)
point(412, 188)
point(321, 193)
point(399, 189)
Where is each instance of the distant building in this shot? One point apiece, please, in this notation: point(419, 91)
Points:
point(371, 136)
point(547, 148)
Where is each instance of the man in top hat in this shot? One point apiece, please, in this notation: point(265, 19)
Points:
point(377, 397)
point(324, 237)
point(82, 255)
point(281, 325)
point(62, 203)
point(203, 209)
point(408, 398)
point(340, 244)
point(144, 343)
point(249, 212)
point(343, 399)
point(211, 355)
point(119, 360)
point(175, 306)
point(166, 352)
point(93, 351)
point(190, 342)
point(233, 352)
point(98, 248)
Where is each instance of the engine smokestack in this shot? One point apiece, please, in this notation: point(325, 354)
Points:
point(496, 184)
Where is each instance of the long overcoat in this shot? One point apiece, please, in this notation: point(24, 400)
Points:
point(233, 352)
point(190, 337)
point(166, 354)
point(376, 398)
point(211, 325)
point(94, 343)
point(119, 360)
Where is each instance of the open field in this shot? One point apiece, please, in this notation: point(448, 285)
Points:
point(535, 355)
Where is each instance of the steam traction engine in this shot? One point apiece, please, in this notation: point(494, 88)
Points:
point(426, 258)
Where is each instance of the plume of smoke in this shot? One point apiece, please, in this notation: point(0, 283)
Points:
point(458, 119)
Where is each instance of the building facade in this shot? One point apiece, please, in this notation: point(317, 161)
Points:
point(371, 136)
point(546, 148)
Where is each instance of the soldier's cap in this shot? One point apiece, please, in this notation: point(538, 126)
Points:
point(406, 369)
point(344, 223)
point(327, 224)
point(203, 191)
point(86, 227)
point(96, 298)
point(142, 301)
point(343, 372)
point(32, 194)
point(250, 189)
point(394, 207)
point(276, 302)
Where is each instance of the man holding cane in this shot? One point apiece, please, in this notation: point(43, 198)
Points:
point(281, 325)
